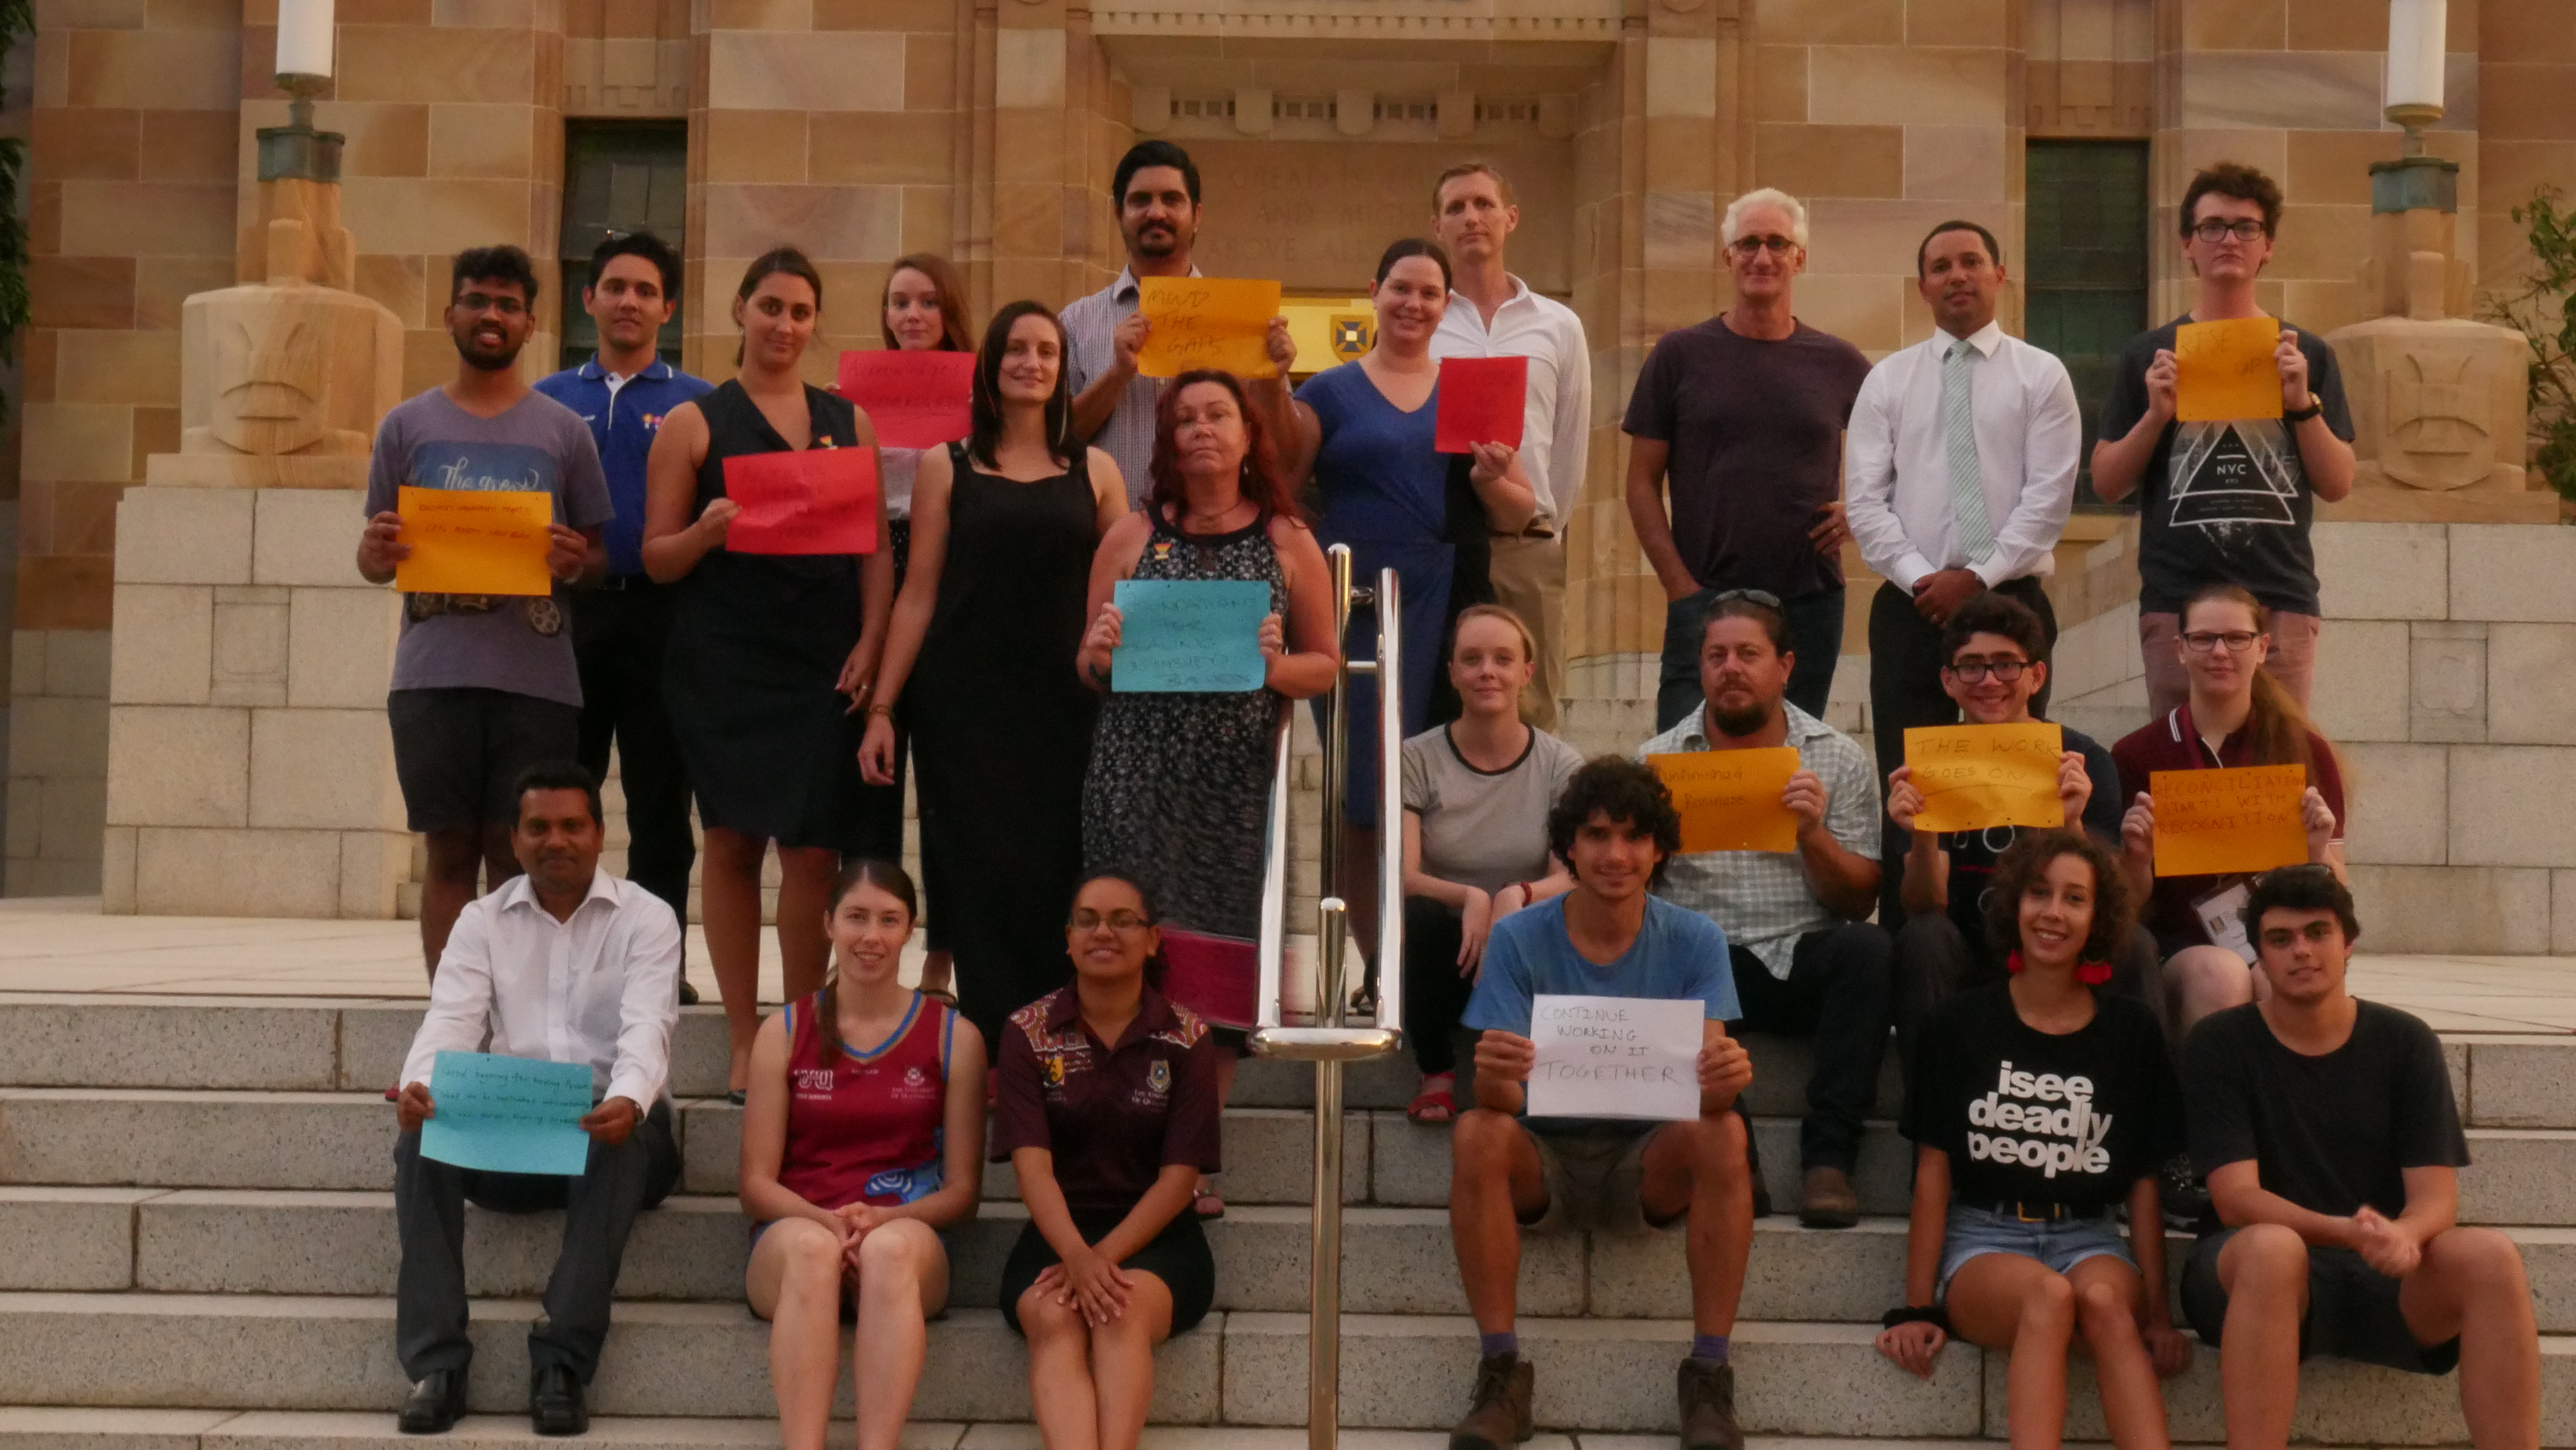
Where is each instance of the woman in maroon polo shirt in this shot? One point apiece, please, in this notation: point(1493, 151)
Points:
point(2237, 715)
point(1108, 1114)
point(859, 1139)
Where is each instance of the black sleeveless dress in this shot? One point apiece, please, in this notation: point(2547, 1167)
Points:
point(1001, 732)
point(757, 644)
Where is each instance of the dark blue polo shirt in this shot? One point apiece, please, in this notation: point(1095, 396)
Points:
point(623, 420)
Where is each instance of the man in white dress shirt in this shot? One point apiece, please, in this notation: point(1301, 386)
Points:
point(562, 964)
point(1494, 314)
point(1959, 469)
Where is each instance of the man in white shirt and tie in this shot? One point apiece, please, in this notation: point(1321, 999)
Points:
point(563, 964)
point(1959, 470)
point(1495, 314)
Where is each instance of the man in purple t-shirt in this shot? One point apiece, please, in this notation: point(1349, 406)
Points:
point(1745, 413)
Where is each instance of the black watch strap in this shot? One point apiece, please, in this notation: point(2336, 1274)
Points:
point(2301, 415)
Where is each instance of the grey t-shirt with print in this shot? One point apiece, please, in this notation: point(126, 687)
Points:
point(1485, 829)
point(493, 642)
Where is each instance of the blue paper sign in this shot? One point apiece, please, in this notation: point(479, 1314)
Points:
point(508, 1114)
point(1189, 634)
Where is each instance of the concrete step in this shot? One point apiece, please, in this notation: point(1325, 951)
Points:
point(1398, 1371)
point(84, 1040)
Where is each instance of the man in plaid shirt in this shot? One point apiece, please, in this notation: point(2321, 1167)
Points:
point(1807, 961)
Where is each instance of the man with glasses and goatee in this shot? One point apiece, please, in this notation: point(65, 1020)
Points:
point(2226, 501)
point(1744, 413)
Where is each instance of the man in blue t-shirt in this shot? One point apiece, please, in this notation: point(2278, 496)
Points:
point(1615, 826)
point(621, 626)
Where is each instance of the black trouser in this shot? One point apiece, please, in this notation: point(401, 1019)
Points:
point(1815, 627)
point(1905, 692)
point(1435, 995)
point(620, 632)
point(1837, 993)
point(599, 1209)
point(1935, 960)
point(881, 806)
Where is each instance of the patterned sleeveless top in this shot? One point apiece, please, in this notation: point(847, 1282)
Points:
point(865, 1126)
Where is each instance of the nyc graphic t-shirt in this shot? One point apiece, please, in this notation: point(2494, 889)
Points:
point(2026, 1116)
point(2227, 502)
point(493, 642)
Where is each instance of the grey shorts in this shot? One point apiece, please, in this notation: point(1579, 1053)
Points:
point(1595, 1180)
point(2352, 1310)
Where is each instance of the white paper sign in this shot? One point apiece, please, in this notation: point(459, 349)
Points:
point(1615, 1057)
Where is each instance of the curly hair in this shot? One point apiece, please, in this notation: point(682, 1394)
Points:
point(1629, 794)
point(2026, 860)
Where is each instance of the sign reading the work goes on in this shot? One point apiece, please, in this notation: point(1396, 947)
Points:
point(1615, 1057)
point(2050, 1119)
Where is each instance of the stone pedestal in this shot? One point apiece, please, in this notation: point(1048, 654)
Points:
point(2439, 416)
point(250, 770)
point(2446, 674)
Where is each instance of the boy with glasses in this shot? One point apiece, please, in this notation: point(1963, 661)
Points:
point(1745, 414)
point(2226, 501)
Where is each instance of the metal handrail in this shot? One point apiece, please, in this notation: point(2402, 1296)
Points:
point(1330, 1041)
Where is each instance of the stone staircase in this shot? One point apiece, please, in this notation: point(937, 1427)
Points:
point(200, 1254)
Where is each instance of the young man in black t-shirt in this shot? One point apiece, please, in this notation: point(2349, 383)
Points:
point(2225, 501)
point(2327, 1133)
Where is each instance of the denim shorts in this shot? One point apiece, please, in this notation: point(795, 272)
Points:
point(2060, 1243)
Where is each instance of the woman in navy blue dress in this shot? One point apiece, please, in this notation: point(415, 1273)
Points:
point(1367, 428)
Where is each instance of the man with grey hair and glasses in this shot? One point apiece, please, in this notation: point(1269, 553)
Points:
point(1744, 414)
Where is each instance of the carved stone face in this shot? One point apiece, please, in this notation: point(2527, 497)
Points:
point(268, 379)
point(2438, 411)
point(293, 369)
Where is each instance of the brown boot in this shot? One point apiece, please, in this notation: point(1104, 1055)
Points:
point(1828, 1199)
point(1501, 1415)
point(1708, 1406)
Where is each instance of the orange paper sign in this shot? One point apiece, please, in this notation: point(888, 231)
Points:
point(1975, 776)
point(1730, 799)
point(2225, 370)
point(474, 541)
point(1206, 322)
point(817, 501)
point(2220, 822)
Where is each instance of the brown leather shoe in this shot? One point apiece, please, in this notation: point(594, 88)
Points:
point(1828, 1199)
point(1707, 1394)
point(1501, 1416)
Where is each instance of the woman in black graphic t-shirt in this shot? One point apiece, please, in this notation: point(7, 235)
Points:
point(2037, 1105)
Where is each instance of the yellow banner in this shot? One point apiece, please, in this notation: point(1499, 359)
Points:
point(2225, 370)
point(1975, 776)
point(1730, 799)
point(473, 541)
point(2221, 822)
point(1206, 322)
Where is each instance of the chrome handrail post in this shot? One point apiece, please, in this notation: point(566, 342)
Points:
point(1330, 726)
point(1324, 1271)
point(1390, 806)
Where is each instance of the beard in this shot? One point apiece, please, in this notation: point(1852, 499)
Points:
point(484, 358)
point(1155, 241)
point(1736, 724)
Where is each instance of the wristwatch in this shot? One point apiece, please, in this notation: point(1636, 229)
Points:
point(2301, 415)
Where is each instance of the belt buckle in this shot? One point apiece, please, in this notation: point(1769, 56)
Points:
point(2019, 1212)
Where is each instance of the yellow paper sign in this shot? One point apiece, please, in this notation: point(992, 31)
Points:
point(2225, 370)
point(473, 541)
point(1730, 799)
point(1975, 776)
point(1206, 322)
point(2220, 822)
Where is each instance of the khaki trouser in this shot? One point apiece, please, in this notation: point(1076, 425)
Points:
point(1529, 580)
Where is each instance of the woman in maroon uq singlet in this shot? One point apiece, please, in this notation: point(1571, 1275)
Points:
point(860, 1144)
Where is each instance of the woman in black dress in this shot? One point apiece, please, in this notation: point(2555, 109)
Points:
point(981, 656)
point(770, 655)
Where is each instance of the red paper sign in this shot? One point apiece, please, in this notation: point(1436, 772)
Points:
point(915, 399)
point(1482, 400)
point(819, 501)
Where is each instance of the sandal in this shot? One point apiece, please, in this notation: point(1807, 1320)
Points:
point(1200, 1204)
point(1435, 1106)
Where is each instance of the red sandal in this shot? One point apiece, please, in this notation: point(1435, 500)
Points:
point(1436, 1105)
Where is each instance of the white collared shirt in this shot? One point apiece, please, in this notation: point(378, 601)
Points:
point(1557, 426)
point(601, 988)
point(1896, 461)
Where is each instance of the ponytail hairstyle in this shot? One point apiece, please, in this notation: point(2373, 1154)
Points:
point(2277, 728)
point(1155, 967)
point(984, 408)
point(856, 872)
point(777, 260)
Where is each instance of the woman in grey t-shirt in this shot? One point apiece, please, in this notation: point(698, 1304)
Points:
point(1476, 797)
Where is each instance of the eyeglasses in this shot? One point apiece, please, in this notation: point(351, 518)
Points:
point(2237, 641)
point(1749, 246)
point(1763, 597)
point(2215, 230)
point(1121, 922)
point(484, 302)
point(2006, 671)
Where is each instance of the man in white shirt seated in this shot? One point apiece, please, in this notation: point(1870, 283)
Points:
point(562, 964)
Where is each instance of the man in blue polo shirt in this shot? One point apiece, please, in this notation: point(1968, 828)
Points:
point(620, 628)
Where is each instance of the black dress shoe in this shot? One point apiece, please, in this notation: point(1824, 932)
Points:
point(555, 1404)
point(435, 1404)
point(688, 994)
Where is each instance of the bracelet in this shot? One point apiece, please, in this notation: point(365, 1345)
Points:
point(882, 707)
point(1932, 1314)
